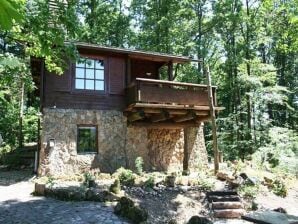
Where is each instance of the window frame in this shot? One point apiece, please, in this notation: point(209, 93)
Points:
point(96, 138)
point(91, 91)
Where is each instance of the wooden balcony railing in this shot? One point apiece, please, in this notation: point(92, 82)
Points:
point(168, 93)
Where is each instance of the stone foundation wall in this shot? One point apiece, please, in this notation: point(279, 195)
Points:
point(118, 145)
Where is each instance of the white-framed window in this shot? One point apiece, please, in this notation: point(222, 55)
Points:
point(89, 74)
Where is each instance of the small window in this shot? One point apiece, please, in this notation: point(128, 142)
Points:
point(89, 74)
point(87, 139)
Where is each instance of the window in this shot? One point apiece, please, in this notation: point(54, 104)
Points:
point(89, 74)
point(87, 139)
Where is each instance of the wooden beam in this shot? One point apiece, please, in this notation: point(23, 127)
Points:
point(136, 116)
point(212, 113)
point(170, 106)
point(165, 125)
point(164, 115)
point(189, 116)
point(173, 111)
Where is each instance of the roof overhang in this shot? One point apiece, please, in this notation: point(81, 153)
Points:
point(137, 54)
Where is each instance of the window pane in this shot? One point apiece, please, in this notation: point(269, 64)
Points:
point(86, 139)
point(79, 83)
point(81, 62)
point(89, 63)
point(89, 73)
point(99, 85)
point(99, 64)
point(99, 74)
point(80, 73)
point(90, 84)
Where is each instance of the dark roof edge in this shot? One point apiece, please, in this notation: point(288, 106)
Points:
point(169, 57)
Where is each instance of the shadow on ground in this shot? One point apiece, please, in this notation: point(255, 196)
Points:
point(9, 177)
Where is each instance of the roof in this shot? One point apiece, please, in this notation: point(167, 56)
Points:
point(146, 55)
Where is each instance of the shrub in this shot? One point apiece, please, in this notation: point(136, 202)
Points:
point(50, 181)
point(139, 162)
point(248, 191)
point(279, 188)
point(205, 183)
point(150, 182)
point(115, 187)
point(88, 177)
point(125, 176)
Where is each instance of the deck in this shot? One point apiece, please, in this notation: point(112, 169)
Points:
point(166, 103)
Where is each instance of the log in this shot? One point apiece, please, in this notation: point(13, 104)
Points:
point(136, 116)
point(228, 213)
point(189, 116)
point(224, 198)
point(164, 115)
point(227, 205)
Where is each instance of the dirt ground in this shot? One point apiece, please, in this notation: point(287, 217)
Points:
point(180, 203)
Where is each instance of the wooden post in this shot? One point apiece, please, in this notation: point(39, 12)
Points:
point(21, 114)
point(185, 151)
point(170, 71)
point(212, 113)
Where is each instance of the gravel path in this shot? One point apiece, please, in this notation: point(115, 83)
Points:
point(18, 206)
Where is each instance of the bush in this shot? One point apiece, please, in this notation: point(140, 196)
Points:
point(125, 176)
point(279, 188)
point(206, 184)
point(150, 182)
point(139, 162)
point(248, 191)
point(115, 187)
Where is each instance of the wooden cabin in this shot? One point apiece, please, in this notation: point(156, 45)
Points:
point(111, 106)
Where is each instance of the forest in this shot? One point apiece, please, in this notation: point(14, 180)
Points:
point(251, 47)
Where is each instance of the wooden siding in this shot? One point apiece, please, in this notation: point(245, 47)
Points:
point(116, 75)
point(139, 68)
point(60, 92)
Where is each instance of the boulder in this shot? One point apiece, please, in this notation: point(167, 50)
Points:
point(94, 194)
point(170, 181)
point(222, 175)
point(199, 220)
point(281, 210)
point(127, 208)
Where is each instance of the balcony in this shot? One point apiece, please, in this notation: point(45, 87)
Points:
point(168, 103)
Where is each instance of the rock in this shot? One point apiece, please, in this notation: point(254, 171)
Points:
point(268, 181)
point(221, 175)
point(39, 189)
point(100, 195)
point(243, 175)
point(170, 181)
point(235, 183)
point(127, 208)
point(199, 220)
point(281, 210)
point(252, 181)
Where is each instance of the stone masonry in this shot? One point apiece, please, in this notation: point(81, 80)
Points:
point(118, 144)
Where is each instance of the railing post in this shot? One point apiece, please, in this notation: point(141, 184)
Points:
point(138, 91)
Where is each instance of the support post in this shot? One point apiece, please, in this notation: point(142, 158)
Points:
point(212, 114)
point(185, 151)
point(170, 71)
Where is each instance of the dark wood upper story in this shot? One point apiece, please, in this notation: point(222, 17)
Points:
point(125, 80)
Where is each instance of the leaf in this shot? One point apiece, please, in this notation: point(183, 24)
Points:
point(9, 13)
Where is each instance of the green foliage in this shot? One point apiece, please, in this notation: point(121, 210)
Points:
point(10, 12)
point(249, 191)
point(88, 176)
point(149, 183)
point(115, 187)
point(139, 163)
point(125, 176)
point(206, 183)
point(50, 181)
point(279, 188)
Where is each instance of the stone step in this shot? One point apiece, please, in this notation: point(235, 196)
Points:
point(226, 205)
point(221, 193)
point(214, 198)
point(228, 213)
